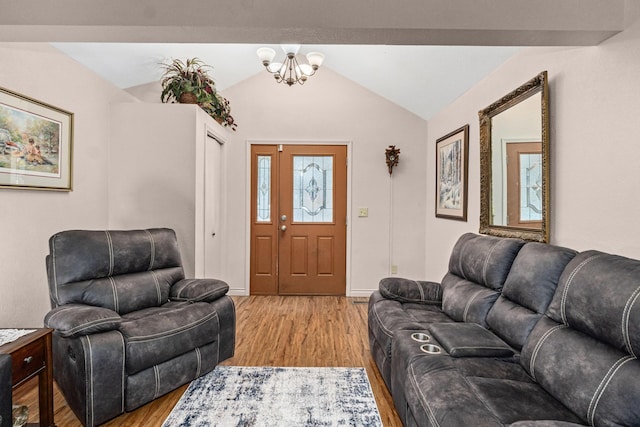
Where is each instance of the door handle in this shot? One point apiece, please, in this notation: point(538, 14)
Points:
point(283, 227)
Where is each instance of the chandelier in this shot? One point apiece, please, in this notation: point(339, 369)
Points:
point(290, 71)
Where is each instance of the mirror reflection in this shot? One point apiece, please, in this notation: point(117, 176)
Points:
point(514, 168)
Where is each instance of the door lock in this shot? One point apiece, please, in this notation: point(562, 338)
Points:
point(283, 218)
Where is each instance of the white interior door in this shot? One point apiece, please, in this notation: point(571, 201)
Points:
point(214, 236)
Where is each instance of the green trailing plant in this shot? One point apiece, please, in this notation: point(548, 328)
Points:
point(189, 83)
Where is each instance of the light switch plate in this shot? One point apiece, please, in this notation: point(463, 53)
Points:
point(363, 212)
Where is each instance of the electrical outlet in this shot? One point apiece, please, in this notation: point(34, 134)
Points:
point(394, 269)
point(363, 212)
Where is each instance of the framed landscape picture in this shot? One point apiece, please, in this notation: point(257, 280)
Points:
point(452, 170)
point(35, 144)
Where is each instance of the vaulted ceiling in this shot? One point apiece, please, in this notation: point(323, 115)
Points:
point(420, 54)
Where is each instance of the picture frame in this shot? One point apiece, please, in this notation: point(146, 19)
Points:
point(36, 144)
point(452, 173)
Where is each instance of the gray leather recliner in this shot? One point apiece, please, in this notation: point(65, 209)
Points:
point(128, 326)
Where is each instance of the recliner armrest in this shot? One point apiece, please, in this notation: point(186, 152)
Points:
point(413, 291)
point(197, 290)
point(74, 320)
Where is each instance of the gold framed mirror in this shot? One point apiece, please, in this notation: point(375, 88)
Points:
point(514, 163)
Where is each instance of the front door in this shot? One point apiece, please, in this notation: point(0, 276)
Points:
point(298, 219)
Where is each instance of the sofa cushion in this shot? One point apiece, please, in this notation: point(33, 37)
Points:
point(512, 401)
point(123, 271)
point(485, 260)
point(466, 301)
point(599, 294)
point(528, 290)
point(112, 253)
point(583, 352)
point(158, 334)
point(414, 291)
point(478, 268)
point(453, 392)
point(469, 340)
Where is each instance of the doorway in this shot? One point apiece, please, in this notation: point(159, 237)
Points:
point(524, 184)
point(298, 219)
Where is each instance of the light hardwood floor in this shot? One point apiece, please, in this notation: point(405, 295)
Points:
point(271, 331)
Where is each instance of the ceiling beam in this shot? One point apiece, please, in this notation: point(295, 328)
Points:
point(430, 22)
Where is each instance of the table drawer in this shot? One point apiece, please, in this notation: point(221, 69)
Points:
point(27, 360)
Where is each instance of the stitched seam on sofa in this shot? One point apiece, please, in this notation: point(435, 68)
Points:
point(157, 282)
point(468, 306)
point(156, 374)
point(422, 297)
point(153, 250)
point(184, 286)
point(536, 350)
point(111, 255)
point(198, 362)
point(384, 329)
point(485, 267)
point(172, 332)
point(422, 399)
point(565, 291)
point(603, 385)
point(88, 368)
point(116, 303)
point(625, 319)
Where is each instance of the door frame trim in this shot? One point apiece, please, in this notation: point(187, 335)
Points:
point(248, 144)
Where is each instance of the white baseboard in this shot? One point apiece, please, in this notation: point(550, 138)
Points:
point(361, 293)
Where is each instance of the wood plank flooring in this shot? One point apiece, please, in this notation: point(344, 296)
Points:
point(271, 331)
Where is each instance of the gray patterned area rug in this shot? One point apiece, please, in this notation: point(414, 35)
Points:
point(237, 396)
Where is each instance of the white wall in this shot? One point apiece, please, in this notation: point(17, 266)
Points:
point(595, 173)
point(331, 108)
point(30, 217)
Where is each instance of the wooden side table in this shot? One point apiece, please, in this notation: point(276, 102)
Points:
point(31, 356)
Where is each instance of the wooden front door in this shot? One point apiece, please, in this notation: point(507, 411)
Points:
point(298, 219)
point(524, 184)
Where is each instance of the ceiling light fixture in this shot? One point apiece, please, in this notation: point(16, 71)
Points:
point(290, 71)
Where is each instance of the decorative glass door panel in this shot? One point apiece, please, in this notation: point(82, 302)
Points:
point(264, 189)
point(312, 189)
point(530, 186)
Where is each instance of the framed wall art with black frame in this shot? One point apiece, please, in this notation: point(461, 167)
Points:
point(452, 171)
point(36, 144)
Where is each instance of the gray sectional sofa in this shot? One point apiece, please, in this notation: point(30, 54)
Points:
point(516, 334)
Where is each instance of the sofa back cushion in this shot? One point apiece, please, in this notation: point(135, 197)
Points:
point(584, 351)
point(120, 270)
point(478, 268)
point(528, 290)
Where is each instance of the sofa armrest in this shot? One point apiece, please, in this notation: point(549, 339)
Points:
point(469, 340)
point(74, 320)
point(197, 290)
point(413, 291)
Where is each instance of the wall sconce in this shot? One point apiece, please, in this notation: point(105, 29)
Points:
point(392, 154)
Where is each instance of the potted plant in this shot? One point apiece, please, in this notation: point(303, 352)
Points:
point(189, 83)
